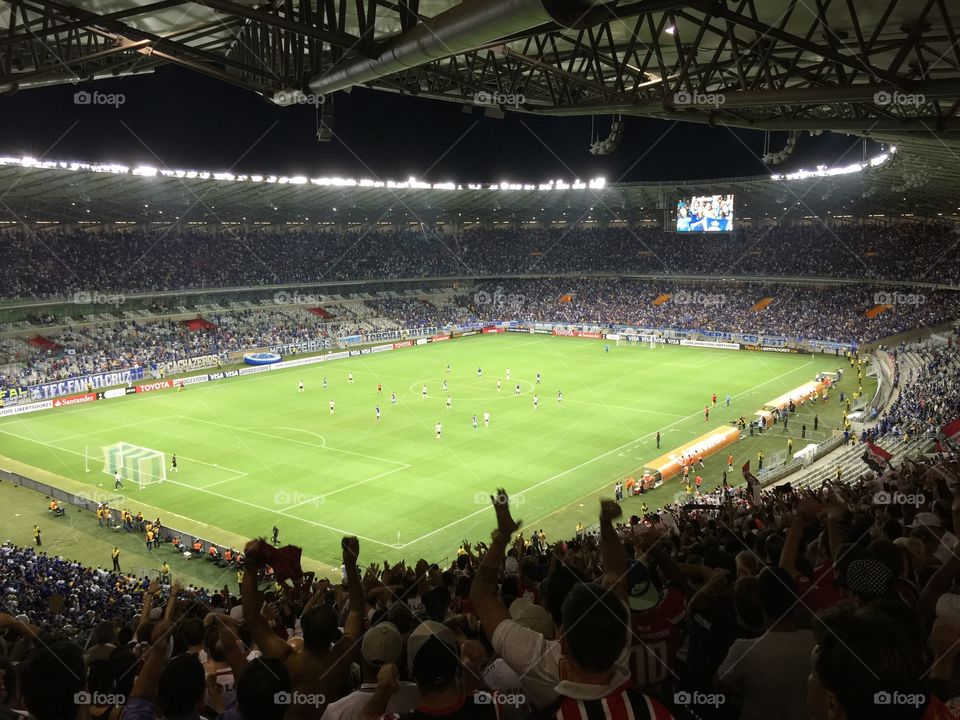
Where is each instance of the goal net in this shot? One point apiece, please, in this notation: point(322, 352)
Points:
point(136, 464)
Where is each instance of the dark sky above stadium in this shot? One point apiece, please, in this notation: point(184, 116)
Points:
point(182, 120)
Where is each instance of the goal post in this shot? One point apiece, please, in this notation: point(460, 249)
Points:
point(136, 464)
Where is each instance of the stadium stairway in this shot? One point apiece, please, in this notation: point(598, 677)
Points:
point(849, 460)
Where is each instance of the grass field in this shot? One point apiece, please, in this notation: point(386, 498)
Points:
point(255, 452)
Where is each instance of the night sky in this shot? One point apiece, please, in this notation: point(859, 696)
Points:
point(182, 120)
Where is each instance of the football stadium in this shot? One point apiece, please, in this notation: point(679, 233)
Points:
point(484, 359)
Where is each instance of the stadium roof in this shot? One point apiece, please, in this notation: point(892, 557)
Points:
point(33, 191)
point(878, 68)
point(888, 68)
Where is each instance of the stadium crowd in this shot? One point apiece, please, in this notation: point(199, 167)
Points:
point(833, 602)
point(832, 313)
point(60, 262)
point(930, 397)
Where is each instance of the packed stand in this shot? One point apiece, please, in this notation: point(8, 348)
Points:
point(66, 262)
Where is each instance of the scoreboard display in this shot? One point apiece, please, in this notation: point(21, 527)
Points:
point(705, 213)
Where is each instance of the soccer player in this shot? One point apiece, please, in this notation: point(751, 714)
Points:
point(479, 372)
point(439, 430)
point(379, 389)
point(117, 480)
point(378, 412)
point(518, 389)
point(173, 463)
point(706, 413)
point(730, 462)
point(498, 384)
point(728, 399)
point(393, 398)
point(536, 401)
point(324, 383)
point(448, 368)
point(181, 386)
point(486, 419)
point(538, 378)
point(276, 535)
point(301, 385)
point(658, 439)
point(449, 403)
point(333, 407)
point(698, 481)
point(350, 378)
point(474, 422)
point(713, 399)
point(423, 393)
point(508, 373)
point(444, 385)
point(559, 396)
point(606, 348)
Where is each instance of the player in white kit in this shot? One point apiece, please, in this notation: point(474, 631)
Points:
point(486, 419)
point(333, 406)
point(301, 386)
point(439, 430)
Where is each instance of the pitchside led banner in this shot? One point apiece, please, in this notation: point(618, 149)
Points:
point(671, 464)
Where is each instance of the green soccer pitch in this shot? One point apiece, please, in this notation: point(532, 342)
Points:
point(254, 451)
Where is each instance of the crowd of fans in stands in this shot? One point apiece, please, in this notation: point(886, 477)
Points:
point(60, 262)
point(931, 397)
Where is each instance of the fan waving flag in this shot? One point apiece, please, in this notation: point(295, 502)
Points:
point(876, 458)
point(285, 561)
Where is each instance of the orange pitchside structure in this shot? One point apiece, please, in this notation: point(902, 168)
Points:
point(804, 392)
point(671, 464)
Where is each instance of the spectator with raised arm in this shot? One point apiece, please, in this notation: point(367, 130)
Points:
point(319, 669)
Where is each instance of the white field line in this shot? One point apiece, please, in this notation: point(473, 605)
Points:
point(598, 457)
point(299, 442)
point(237, 473)
point(228, 498)
point(324, 496)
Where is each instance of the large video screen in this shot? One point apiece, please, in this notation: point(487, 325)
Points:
point(705, 213)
